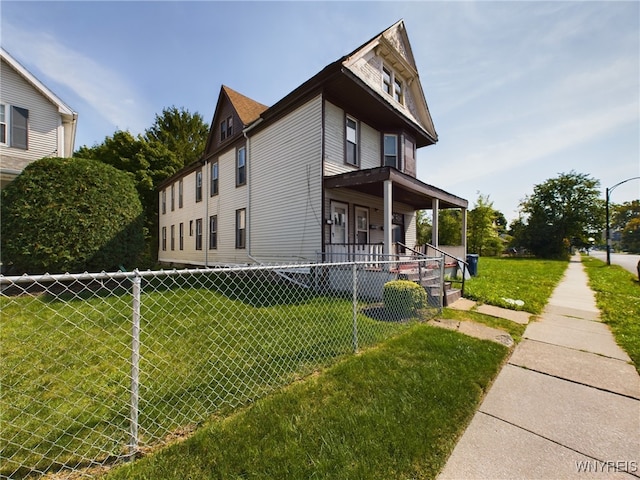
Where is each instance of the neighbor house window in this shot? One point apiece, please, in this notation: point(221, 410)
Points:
point(181, 236)
point(173, 196)
point(199, 186)
point(213, 231)
point(173, 237)
point(164, 202)
point(226, 128)
point(199, 234)
point(241, 230)
point(214, 179)
point(164, 238)
point(19, 128)
point(241, 166)
point(391, 150)
point(180, 193)
point(351, 140)
point(3, 124)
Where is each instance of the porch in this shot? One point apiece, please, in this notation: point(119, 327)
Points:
point(391, 186)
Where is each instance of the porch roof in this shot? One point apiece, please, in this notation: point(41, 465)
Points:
point(406, 189)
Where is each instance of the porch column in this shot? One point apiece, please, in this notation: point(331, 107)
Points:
point(388, 215)
point(435, 206)
point(464, 232)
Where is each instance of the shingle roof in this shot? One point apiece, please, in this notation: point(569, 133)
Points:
point(248, 110)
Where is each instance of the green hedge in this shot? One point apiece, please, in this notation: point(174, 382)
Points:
point(70, 215)
point(403, 297)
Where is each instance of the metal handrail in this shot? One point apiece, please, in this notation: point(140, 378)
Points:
point(445, 254)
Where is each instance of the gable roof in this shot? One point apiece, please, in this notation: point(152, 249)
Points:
point(350, 82)
point(63, 108)
point(247, 109)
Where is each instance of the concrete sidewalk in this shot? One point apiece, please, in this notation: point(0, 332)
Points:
point(566, 405)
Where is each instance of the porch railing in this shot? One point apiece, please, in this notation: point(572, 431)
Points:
point(424, 250)
point(370, 253)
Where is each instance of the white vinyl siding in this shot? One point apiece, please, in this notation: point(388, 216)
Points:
point(285, 176)
point(45, 135)
point(368, 148)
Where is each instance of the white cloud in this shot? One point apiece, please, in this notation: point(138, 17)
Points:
point(106, 91)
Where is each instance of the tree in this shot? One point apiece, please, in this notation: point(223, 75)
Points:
point(626, 219)
point(423, 228)
point(148, 162)
point(70, 215)
point(182, 133)
point(562, 211)
point(450, 227)
point(483, 235)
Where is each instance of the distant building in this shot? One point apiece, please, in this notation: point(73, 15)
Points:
point(34, 122)
point(327, 173)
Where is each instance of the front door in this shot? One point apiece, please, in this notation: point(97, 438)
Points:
point(339, 223)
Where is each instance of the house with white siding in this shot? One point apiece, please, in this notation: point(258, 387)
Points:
point(34, 122)
point(328, 172)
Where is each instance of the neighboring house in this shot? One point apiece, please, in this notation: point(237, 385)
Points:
point(34, 122)
point(327, 172)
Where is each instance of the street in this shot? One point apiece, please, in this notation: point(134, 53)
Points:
point(626, 261)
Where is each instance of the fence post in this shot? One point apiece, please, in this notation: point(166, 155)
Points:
point(135, 367)
point(355, 306)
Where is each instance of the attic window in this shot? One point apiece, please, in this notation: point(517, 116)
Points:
point(392, 84)
point(226, 128)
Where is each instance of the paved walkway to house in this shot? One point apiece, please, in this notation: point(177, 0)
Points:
point(566, 405)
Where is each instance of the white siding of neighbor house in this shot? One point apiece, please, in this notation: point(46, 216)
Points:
point(45, 137)
point(368, 148)
point(285, 174)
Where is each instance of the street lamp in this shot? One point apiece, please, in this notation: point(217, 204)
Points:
point(608, 234)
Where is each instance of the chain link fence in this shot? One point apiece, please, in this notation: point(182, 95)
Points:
point(97, 369)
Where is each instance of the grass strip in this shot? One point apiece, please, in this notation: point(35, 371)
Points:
point(394, 411)
point(618, 298)
point(528, 279)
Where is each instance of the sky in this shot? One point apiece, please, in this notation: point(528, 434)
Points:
point(519, 91)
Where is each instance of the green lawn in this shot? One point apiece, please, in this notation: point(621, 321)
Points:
point(394, 411)
point(618, 298)
point(207, 348)
point(526, 279)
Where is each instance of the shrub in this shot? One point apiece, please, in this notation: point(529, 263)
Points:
point(403, 297)
point(70, 215)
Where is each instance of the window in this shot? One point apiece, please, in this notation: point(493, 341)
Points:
point(362, 225)
point(3, 125)
point(164, 202)
point(398, 91)
point(386, 80)
point(226, 128)
point(351, 140)
point(199, 186)
point(213, 232)
point(241, 228)
point(191, 228)
point(173, 237)
point(214, 179)
point(173, 195)
point(180, 193)
point(19, 128)
point(241, 167)
point(164, 239)
point(392, 84)
point(199, 234)
point(181, 236)
point(390, 151)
